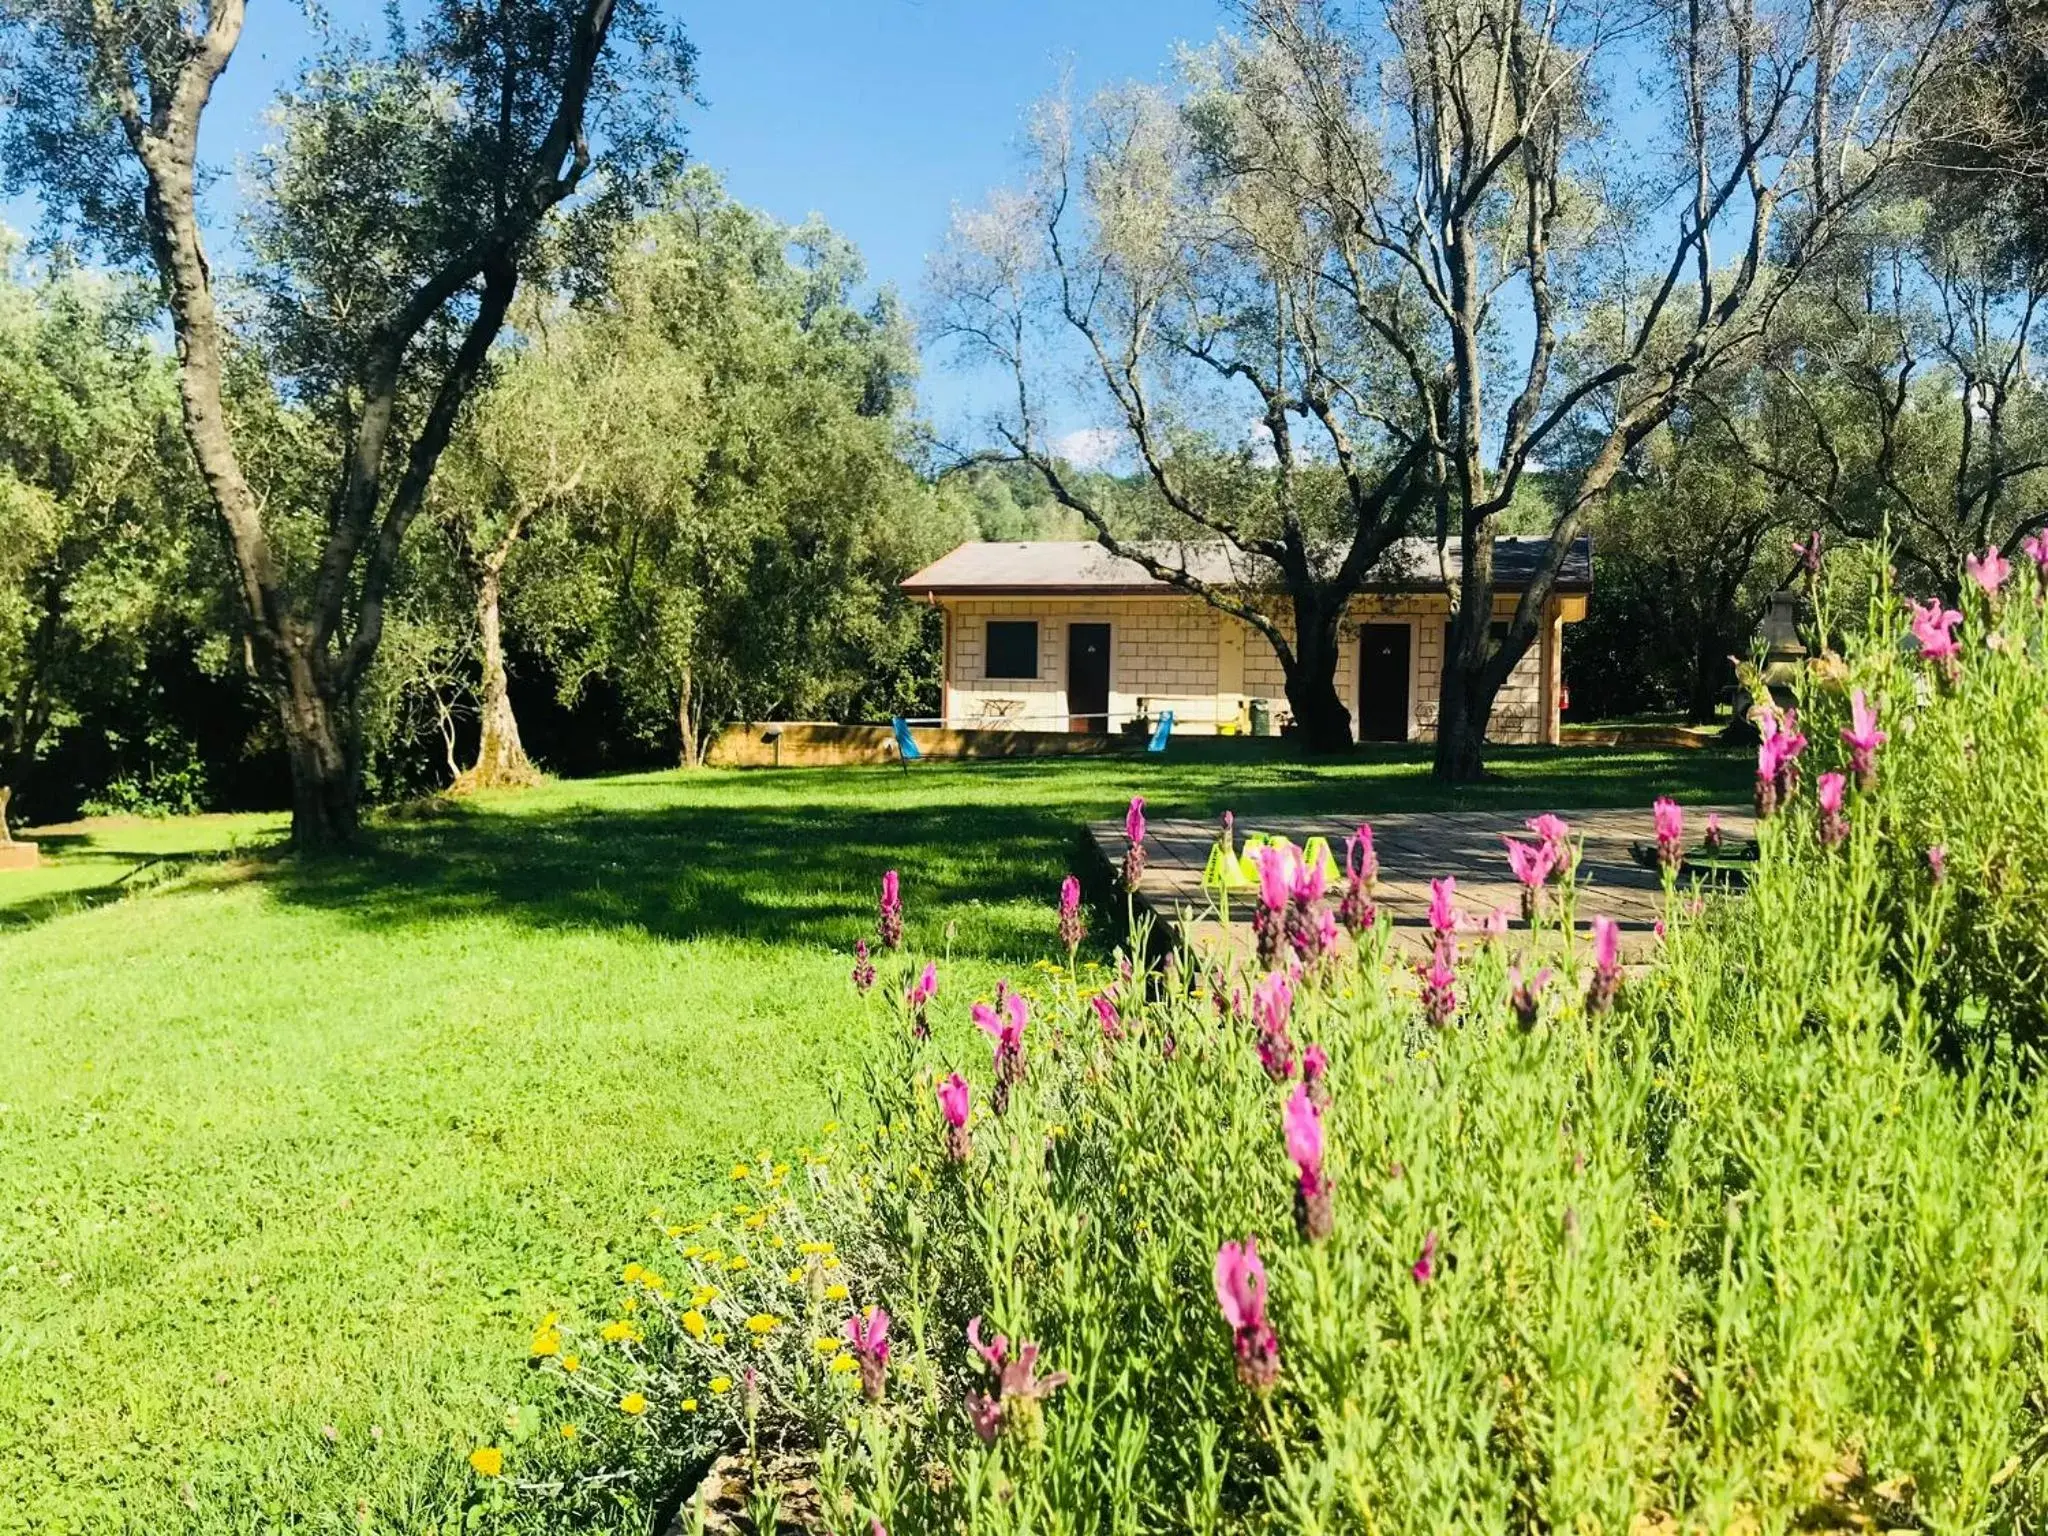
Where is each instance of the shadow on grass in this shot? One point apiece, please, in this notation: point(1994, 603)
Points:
point(793, 856)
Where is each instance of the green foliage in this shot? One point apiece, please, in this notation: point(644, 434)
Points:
point(101, 562)
point(742, 511)
point(1753, 1245)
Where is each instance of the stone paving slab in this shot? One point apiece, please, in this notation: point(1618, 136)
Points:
point(1416, 847)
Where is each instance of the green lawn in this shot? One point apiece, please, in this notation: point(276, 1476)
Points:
point(291, 1147)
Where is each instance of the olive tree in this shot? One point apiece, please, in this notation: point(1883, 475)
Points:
point(1412, 234)
point(392, 226)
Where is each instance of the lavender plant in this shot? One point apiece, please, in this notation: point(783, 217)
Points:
point(1294, 1235)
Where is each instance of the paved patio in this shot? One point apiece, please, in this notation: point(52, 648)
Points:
point(1415, 847)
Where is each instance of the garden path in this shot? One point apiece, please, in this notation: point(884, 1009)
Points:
point(1415, 847)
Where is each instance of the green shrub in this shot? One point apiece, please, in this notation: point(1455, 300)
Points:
point(1746, 1239)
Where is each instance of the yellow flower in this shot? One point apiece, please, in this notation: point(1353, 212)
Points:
point(836, 1292)
point(689, 1405)
point(718, 1339)
point(631, 1273)
point(692, 1250)
point(568, 1431)
point(571, 1364)
point(547, 1339)
point(741, 1170)
point(633, 1403)
point(693, 1323)
point(795, 1277)
point(813, 1247)
point(673, 1232)
point(782, 1170)
point(831, 1127)
point(763, 1322)
point(719, 1385)
point(652, 1281)
point(775, 1240)
point(487, 1461)
point(714, 1255)
point(757, 1221)
point(621, 1331)
point(704, 1295)
point(824, 1346)
point(830, 1262)
point(739, 1261)
point(844, 1363)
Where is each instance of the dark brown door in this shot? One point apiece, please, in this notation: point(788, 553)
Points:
point(1088, 677)
point(1383, 682)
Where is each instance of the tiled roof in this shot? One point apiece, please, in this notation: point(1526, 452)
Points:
point(1084, 567)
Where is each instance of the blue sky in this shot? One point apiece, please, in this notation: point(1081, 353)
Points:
point(880, 115)
point(883, 114)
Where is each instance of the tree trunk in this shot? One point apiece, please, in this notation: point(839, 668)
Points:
point(1462, 712)
point(319, 740)
point(686, 722)
point(6, 795)
point(1705, 703)
point(1319, 711)
point(501, 760)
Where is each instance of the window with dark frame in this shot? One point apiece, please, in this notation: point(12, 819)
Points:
point(1012, 648)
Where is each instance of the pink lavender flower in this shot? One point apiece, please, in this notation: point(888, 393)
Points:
point(1272, 1002)
point(1071, 931)
point(1106, 1016)
point(1424, 1267)
point(1241, 1295)
point(1276, 890)
point(1006, 1029)
point(1713, 838)
point(1315, 1073)
point(1937, 862)
point(1439, 984)
point(863, 967)
point(919, 997)
point(1525, 995)
point(1934, 627)
point(1833, 827)
point(869, 1335)
point(1990, 569)
point(1863, 738)
point(1443, 914)
point(1302, 1126)
point(1134, 843)
point(2035, 547)
point(1670, 832)
point(1014, 1404)
point(1557, 832)
point(1778, 747)
point(889, 921)
point(1533, 864)
point(1311, 929)
point(1808, 550)
point(955, 1098)
point(1606, 965)
point(1361, 870)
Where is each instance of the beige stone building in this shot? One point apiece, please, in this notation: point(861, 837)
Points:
point(1068, 637)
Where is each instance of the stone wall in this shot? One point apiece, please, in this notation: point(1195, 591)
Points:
point(1177, 653)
